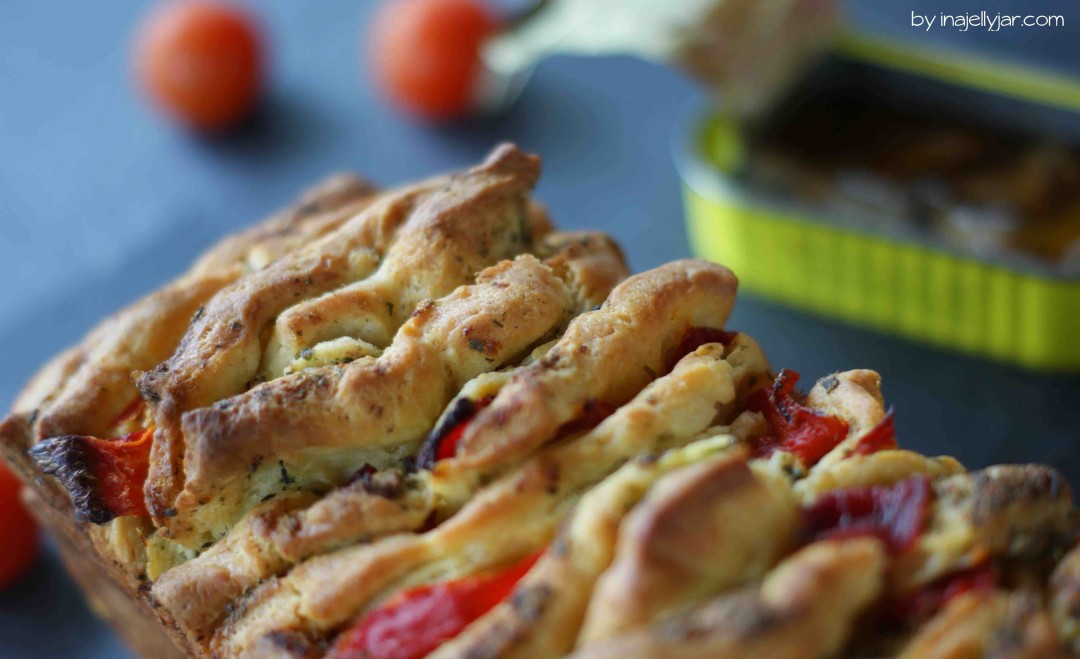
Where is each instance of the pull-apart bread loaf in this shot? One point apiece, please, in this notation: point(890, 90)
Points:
point(423, 422)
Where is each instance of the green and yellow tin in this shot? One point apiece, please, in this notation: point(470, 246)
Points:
point(896, 282)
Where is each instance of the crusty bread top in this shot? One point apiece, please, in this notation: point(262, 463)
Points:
point(305, 377)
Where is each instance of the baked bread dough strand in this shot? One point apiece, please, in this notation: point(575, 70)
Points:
point(220, 354)
point(805, 608)
point(316, 428)
point(91, 385)
point(593, 265)
point(1023, 513)
point(222, 350)
point(281, 532)
point(435, 252)
point(608, 355)
point(988, 624)
point(704, 529)
point(1064, 598)
point(543, 615)
point(518, 513)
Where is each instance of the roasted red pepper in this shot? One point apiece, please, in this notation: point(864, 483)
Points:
point(793, 427)
point(134, 410)
point(594, 412)
point(694, 338)
point(894, 513)
point(448, 447)
point(415, 622)
point(881, 437)
point(442, 442)
point(933, 597)
point(105, 477)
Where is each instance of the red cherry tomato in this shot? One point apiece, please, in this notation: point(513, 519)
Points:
point(200, 60)
point(20, 541)
point(426, 54)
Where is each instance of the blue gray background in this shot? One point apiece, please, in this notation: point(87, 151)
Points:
point(102, 201)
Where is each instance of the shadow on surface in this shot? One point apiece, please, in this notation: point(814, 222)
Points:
point(63, 320)
point(47, 593)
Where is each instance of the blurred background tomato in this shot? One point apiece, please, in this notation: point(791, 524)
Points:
point(201, 61)
point(19, 540)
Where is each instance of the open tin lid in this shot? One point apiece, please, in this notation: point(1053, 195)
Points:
point(1023, 114)
point(993, 92)
point(957, 67)
point(1037, 98)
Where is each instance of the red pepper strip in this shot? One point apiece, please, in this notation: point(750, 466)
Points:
point(448, 446)
point(881, 437)
point(133, 409)
point(442, 442)
point(417, 621)
point(592, 414)
point(794, 427)
point(125, 463)
point(694, 338)
point(894, 513)
point(933, 597)
point(105, 477)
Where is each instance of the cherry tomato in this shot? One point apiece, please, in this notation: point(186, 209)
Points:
point(426, 54)
point(20, 542)
point(200, 60)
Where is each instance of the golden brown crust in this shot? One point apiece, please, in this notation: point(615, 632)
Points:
point(543, 616)
point(334, 341)
point(606, 355)
point(854, 396)
point(518, 513)
point(113, 591)
point(370, 405)
point(1018, 513)
point(1065, 600)
point(590, 261)
point(883, 468)
point(688, 540)
point(318, 211)
point(805, 608)
point(138, 338)
point(366, 509)
point(47, 382)
point(442, 246)
point(221, 353)
point(90, 385)
point(995, 624)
